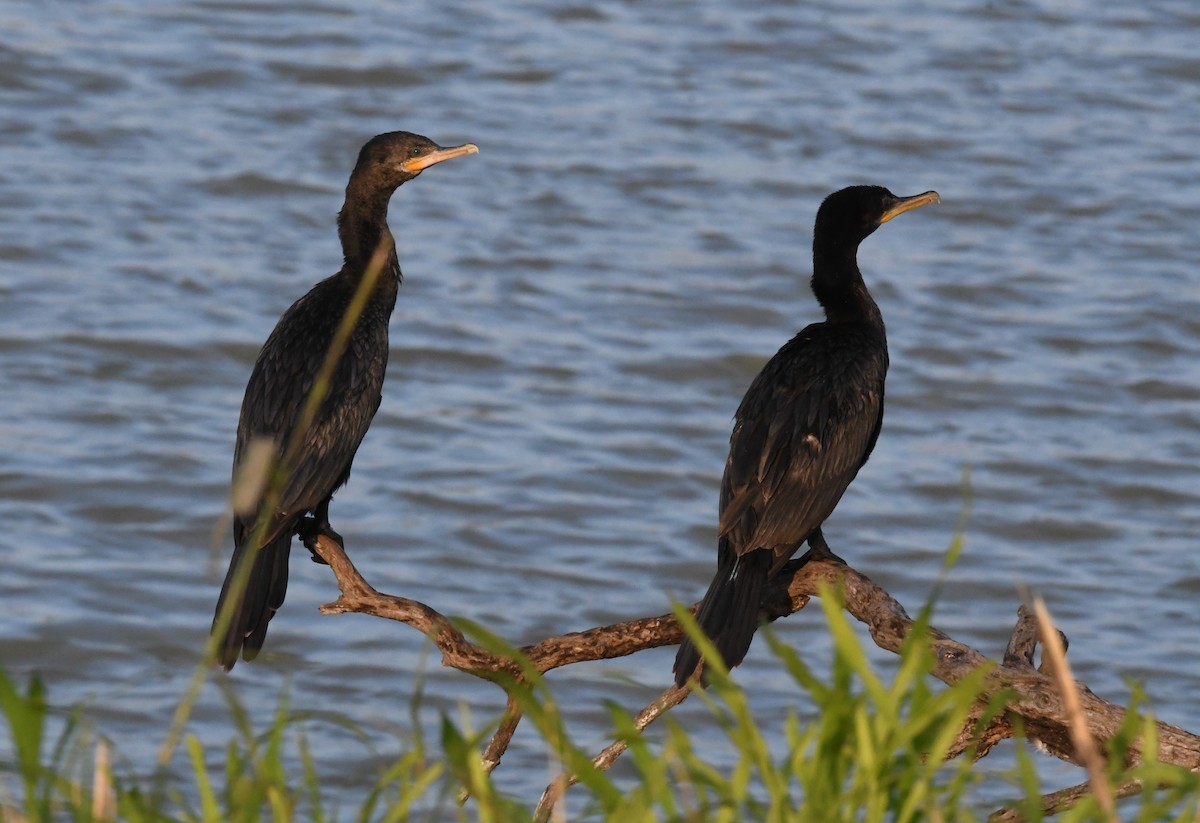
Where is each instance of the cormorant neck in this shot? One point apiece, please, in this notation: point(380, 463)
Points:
point(839, 287)
point(363, 228)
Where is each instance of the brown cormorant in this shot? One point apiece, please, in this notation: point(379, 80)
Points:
point(806, 426)
point(285, 372)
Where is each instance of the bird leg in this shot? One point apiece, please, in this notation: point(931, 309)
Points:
point(312, 527)
point(774, 607)
point(818, 549)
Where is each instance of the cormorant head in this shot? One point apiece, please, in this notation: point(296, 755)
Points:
point(390, 159)
point(848, 217)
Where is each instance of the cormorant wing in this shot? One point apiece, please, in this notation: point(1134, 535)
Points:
point(802, 432)
point(278, 390)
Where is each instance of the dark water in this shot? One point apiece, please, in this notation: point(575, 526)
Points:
point(585, 302)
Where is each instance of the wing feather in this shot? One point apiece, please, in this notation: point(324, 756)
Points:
point(279, 387)
point(801, 434)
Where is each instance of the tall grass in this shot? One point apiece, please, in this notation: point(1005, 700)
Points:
point(874, 752)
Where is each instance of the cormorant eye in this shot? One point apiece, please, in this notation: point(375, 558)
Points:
point(417, 151)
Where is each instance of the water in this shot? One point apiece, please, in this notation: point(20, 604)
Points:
point(585, 302)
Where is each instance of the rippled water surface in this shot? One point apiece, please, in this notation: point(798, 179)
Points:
point(585, 302)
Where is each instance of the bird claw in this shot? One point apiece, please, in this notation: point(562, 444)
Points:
point(309, 531)
point(818, 553)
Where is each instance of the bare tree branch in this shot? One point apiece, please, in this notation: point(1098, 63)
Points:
point(1033, 699)
point(666, 701)
point(1062, 800)
point(504, 735)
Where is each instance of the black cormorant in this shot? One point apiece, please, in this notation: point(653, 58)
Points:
point(284, 374)
point(806, 426)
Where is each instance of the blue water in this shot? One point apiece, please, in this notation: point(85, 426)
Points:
point(584, 303)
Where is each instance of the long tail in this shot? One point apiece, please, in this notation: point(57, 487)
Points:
point(262, 597)
point(729, 611)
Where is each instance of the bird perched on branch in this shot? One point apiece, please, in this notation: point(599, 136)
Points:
point(805, 427)
point(314, 447)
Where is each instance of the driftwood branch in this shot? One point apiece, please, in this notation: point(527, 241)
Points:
point(1064, 799)
point(1034, 700)
point(666, 701)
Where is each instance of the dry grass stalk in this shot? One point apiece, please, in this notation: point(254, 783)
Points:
point(1085, 745)
point(104, 796)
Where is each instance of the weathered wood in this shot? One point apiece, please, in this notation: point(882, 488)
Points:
point(1036, 703)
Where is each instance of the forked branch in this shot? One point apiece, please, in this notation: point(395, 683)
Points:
point(1035, 701)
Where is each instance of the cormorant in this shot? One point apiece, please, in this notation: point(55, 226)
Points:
point(284, 374)
point(806, 426)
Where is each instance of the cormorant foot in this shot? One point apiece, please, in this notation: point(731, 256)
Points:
point(824, 554)
point(818, 549)
point(308, 530)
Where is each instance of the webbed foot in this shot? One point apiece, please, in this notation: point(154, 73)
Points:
point(818, 549)
point(309, 529)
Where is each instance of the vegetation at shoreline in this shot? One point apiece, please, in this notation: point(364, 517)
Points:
point(872, 753)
